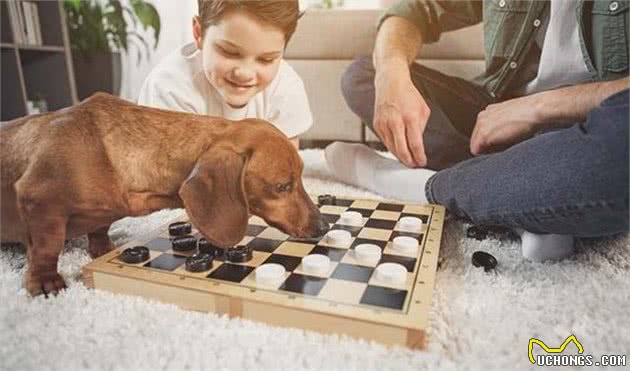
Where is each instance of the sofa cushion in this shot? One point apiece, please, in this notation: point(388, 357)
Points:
point(326, 42)
point(346, 34)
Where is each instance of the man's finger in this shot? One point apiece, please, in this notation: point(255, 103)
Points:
point(474, 139)
point(399, 138)
point(382, 132)
point(416, 145)
point(387, 140)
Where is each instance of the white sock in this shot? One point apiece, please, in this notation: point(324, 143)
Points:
point(361, 166)
point(541, 247)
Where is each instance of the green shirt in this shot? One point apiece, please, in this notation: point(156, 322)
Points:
point(510, 27)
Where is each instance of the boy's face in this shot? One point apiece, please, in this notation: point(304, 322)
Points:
point(240, 55)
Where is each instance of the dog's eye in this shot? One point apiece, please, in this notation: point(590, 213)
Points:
point(281, 188)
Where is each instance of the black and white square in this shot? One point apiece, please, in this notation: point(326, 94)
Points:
point(302, 284)
point(167, 262)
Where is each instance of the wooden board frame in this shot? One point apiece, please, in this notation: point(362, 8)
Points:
point(407, 327)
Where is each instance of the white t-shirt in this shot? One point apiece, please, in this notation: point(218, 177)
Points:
point(561, 60)
point(178, 83)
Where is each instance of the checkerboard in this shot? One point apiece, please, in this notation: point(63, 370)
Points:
point(346, 299)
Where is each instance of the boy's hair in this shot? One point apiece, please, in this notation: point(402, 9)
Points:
point(283, 14)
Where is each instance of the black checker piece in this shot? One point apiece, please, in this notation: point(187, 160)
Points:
point(159, 244)
point(407, 262)
point(231, 272)
point(350, 272)
point(264, 244)
point(135, 255)
point(179, 228)
point(288, 262)
point(326, 199)
point(239, 254)
point(184, 243)
point(311, 240)
point(358, 241)
point(199, 262)
point(389, 207)
point(380, 223)
point(302, 284)
point(384, 297)
point(167, 262)
point(205, 246)
point(335, 254)
point(254, 230)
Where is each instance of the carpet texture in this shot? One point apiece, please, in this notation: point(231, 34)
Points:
point(479, 321)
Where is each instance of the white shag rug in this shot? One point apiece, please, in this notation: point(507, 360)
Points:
point(479, 321)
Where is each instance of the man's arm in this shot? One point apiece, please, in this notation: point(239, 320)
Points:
point(397, 44)
point(400, 112)
point(565, 106)
point(504, 124)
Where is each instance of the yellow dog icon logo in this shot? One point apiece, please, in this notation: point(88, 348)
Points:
point(560, 349)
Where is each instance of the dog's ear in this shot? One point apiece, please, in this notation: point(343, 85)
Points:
point(214, 196)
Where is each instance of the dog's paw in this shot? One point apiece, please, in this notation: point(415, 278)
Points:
point(48, 283)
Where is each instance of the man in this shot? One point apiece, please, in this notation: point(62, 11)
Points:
point(538, 142)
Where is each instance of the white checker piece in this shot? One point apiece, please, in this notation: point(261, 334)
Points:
point(269, 273)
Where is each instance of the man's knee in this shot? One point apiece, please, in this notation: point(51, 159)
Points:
point(357, 86)
point(618, 99)
point(608, 124)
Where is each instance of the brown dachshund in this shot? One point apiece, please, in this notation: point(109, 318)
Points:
point(75, 171)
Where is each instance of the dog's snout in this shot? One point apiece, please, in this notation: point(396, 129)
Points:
point(322, 226)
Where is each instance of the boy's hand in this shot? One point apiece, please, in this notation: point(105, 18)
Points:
point(504, 124)
point(400, 115)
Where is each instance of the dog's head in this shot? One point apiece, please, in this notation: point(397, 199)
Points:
point(259, 172)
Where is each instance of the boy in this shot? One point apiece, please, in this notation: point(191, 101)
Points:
point(234, 68)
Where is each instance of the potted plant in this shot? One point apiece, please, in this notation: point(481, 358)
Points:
point(99, 31)
point(328, 4)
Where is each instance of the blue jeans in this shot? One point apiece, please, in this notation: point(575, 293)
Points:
point(570, 181)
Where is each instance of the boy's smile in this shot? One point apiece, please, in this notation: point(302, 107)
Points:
point(240, 55)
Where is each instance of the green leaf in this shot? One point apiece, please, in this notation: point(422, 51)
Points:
point(148, 16)
point(104, 25)
point(72, 4)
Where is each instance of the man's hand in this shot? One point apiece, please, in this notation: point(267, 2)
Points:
point(400, 115)
point(504, 124)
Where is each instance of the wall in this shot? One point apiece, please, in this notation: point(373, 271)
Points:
point(176, 19)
